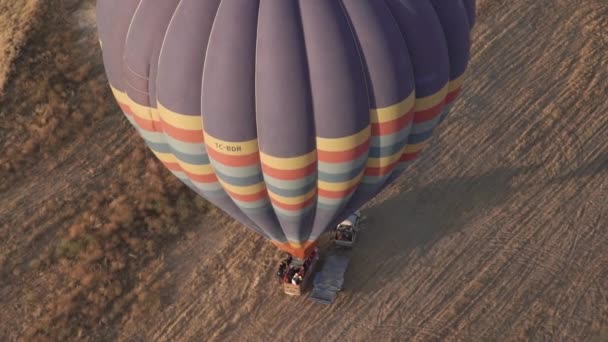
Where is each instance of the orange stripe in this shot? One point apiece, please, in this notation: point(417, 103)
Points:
point(144, 124)
point(337, 194)
point(126, 109)
point(147, 125)
point(289, 174)
point(343, 156)
point(172, 166)
point(208, 178)
point(178, 133)
point(393, 126)
point(409, 156)
point(298, 252)
point(246, 160)
point(185, 135)
point(293, 207)
point(248, 198)
point(428, 114)
point(453, 95)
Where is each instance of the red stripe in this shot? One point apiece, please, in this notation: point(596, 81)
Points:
point(208, 178)
point(337, 194)
point(248, 198)
point(147, 125)
point(300, 253)
point(172, 166)
point(429, 114)
point(185, 135)
point(381, 171)
point(409, 156)
point(126, 109)
point(246, 160)
point(453, 95)
point(293, 207)
point(343, 156)
point(289, 174)
point(192, 136)
point(393, 126)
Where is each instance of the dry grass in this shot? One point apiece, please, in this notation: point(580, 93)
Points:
point(91, 271)
point(44, 112)
point(16, 19)
point(116, 235)
point(97, 238)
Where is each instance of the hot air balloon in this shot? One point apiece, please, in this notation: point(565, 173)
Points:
point(289, 115)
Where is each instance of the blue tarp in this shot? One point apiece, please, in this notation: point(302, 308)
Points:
point(329, 281)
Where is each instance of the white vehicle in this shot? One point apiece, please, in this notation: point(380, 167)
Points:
point(346, 232)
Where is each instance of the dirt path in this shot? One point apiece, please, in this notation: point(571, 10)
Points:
point(497, 233)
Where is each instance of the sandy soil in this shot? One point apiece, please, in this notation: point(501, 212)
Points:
point(498, 232)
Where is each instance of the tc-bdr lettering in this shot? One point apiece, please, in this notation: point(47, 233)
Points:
point(228, 148)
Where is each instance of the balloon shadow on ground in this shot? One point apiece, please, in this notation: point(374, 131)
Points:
point(410, 223)
point(595, 167)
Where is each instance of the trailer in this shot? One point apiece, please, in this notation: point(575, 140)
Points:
point(347, 231)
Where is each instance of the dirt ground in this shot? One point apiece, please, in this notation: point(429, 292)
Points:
point(497, 233)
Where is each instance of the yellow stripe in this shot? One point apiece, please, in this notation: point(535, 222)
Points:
point(155, 114)
point(232, 148)
point(293, 200)
point(393, 112)
point(165, 157)
point(189, 122)
point(203, 169)
point(344, 143)
point(144, 112)
point(413, 148)
point(457, 83)
point(431, 101)
point(339, 186)
point(120, 96)
point(292, 163)
point(385, 161)
point(243, 190)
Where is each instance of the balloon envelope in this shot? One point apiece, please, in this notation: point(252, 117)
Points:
point(288, 115)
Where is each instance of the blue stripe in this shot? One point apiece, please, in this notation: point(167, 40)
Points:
point(340, 177)
point(240, 181)
point(420, 137)
point(373, 181)
point(291, 192)
point(332, 207)
point(385, 151)
point(343, 167)
point(190, 185)
point(212, 194)
point(195, 159)
point(282, 214)
point(158, 147)
point(446, 111)
point(382, 140)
